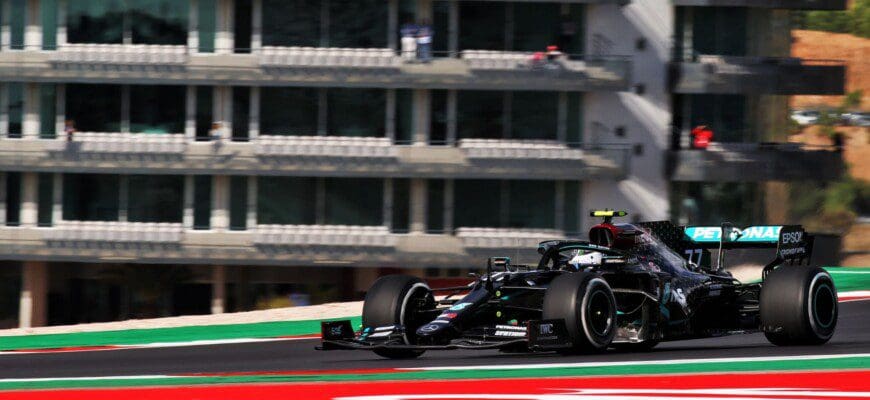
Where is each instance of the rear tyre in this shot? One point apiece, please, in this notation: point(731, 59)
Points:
point(393, 300)
point(586, 303)
point(798, 306)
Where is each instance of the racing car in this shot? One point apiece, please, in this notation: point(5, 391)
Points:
point(629, 286)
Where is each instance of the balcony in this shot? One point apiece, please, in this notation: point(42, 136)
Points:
point(312, 66)
point(782, 4)
point(282, 245)
point(758, 75)
point(754, 162)
point(314, 156)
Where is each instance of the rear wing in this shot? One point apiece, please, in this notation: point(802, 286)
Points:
point(792, 243)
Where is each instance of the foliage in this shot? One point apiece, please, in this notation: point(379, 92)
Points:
point(855, 20)
point(852, 99)
point(832, 207)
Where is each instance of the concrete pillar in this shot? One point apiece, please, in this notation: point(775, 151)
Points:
point(687, 39)
point(187, 218)
point(251, 216)
point(222, 111)
point(57, 199)
point(2, 198)
point(32, 305)
point(29, 198)
point(30, 123)
point(60, 111)
point(190, 113)
point(33, 26)
point(4, 105)
point(422, 116)
point(193, 27)
point(254, 113)
point(224, 35)
point(256, 26)
point(418, 209)
point(218, 289)
point(220, 203)
point(61, 23)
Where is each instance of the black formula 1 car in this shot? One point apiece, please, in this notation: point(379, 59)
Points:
point(629, 286)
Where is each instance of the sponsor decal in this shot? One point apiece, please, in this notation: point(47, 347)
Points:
point(429, 328)
point(447, 315)
point(750, 234)
point(545, 329)
point(459, 306)
point(510, 333)
point(792, 237)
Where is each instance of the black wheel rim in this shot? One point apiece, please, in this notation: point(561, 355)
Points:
point(824, 306)
point(598, 313)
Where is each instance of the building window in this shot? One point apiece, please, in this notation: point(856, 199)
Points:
point(405, 115)
point(358, 23)
point(504, 204)
point(241, 112)
point(438, 123)
point(48, 16)
point(206, 25)
point(480, 114)
point(288, 111)
point(45, 200)
point(15, 97)
point(13, 198)
point(486, 25)
point(202, 201)
point(155, 198)
point(204, 112)
point(157, 109)
point(335, 23)
point(90, 197)
point(536, 26)
point(401, 205)
point(710, 203)
point(47, 110)
point(534, 115)
point(724, 113)
point(719, 30)
point(94, 108)
point(356, 112)
point(435, 206)
point(238, 203)
point(353, 201)
point(17, 19)
point(482, 25)
point(131, 21)
point(286, 201)
point(575, 118)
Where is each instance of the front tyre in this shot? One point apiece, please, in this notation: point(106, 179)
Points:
point(798, 306)
point(394, 300)
point(586, 303)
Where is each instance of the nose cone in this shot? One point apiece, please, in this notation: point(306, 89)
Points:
point(431, 329)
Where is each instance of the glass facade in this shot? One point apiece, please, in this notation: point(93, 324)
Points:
point(288, 111)
point(507, 115)
point(127, 21)
point(504, 204)
point(286, 201)
point(719, 30)
point(94, 108)
point(15, 99)
point(711, 203)
point(333, 23)
point(350, 201)
point(155, 198)
point(356, 112)
point(726, 114)
point(520, 26)
point(157, 109)
point(91, 197)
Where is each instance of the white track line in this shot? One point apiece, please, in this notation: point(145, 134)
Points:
point(631, 363)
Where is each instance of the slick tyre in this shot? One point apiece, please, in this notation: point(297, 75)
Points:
point(393, 300)
point(586, 303)
point(798, 306)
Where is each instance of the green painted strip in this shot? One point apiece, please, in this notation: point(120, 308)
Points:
point(849, 278)
point(165, 335)
point(689, 368)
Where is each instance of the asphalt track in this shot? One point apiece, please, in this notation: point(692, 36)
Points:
point(852, 337)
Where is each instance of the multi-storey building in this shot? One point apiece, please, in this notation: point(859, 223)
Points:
point(221, 150)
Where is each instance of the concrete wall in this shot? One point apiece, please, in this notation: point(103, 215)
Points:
point(642, 30)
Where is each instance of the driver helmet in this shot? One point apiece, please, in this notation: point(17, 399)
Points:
point(586, 259)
